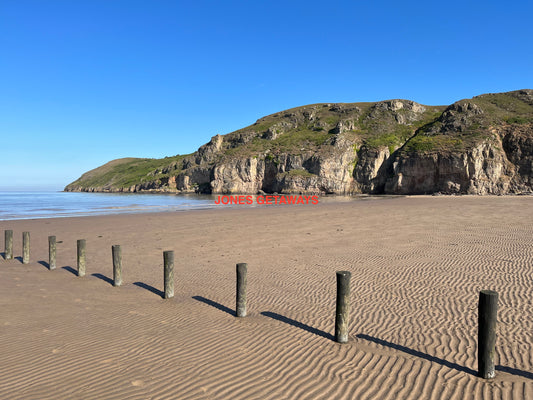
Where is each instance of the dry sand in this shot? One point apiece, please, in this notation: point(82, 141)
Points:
point(417, 266)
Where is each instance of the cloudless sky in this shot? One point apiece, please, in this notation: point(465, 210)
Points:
point(85, 82)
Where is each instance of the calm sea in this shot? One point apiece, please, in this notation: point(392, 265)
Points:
point(29, 205)
point(26, 205)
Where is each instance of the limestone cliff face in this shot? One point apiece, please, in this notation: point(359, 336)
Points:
point(286, 173)
point(238, 176)
point(481, 170)
point(517, 144)
point(371, 169)
point(480, 146)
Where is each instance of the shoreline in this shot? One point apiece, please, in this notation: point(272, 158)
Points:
point(246, 201)
point(116, 206)
point(417, 266)
point(332, 200)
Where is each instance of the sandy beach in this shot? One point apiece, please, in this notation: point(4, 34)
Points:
point(417, 265)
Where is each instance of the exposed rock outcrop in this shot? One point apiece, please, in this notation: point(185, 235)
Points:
point(481, 170)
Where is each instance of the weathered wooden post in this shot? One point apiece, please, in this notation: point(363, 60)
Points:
point(242, 269)
point(117, 265)
point(487, 317)
point(81, 257)
point(343, 306)
point(168, 258)
point(8, 244)
point(25, 247)
point(51, 252)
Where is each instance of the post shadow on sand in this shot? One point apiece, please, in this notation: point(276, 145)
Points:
point(70, 269)
point(44, 264)
point(298, 324)
point(18, 259)
point(104, 278)
point(509, 370)
point(215, 304)
point(514, 371)
point(3, 255)
point(417, 353)
point(150, 288)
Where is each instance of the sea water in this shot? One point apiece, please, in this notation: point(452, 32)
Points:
point(29, 205)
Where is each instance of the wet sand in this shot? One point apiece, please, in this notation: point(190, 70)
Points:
point(417, 264)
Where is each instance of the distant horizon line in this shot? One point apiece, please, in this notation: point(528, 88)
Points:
point(29, 189)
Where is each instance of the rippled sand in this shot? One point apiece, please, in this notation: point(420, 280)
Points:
point(417, 266)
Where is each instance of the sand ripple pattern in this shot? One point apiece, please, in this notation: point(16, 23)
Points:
point(417, 266)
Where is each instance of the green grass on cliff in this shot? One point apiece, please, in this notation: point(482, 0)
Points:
point(289, 142)
point(317, 133)
point(499, 106)
point(300, 137)
point(302, 173)
point(393, 136)
point(520, 120)
point(392, 139)
point(512, 108)
point(421, 144)
point(497, 109)
point(124, 172)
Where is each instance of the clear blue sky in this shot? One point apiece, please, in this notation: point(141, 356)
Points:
point(85, 82)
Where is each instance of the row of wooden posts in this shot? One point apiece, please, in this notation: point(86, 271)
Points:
point(487, 306)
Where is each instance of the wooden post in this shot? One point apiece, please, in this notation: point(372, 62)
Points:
point(81, 257)
point(8, 244)
point(25, 247)
point(343, 306)
point(51, 252)
point(117, 265)
point(240, 310)
point(487, 317)
point(168, 258)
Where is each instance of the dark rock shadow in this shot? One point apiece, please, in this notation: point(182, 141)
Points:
point(44, 264)
point(298, 324)
point(104, 278)
point(215, 304)
point(419, 354)
point(71, 270)
point(150, 288)
point(514, 371)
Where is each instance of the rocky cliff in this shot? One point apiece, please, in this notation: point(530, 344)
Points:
point(482, 145)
